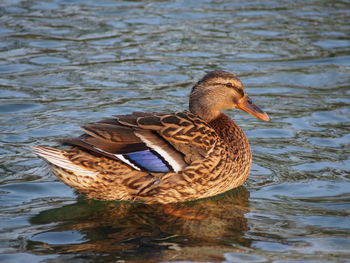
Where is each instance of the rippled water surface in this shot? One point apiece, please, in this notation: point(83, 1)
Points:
point(66, 63)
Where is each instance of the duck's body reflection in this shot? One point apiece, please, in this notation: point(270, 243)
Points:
point(168, 231)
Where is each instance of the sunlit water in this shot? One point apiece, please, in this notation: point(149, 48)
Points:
point(66, 63)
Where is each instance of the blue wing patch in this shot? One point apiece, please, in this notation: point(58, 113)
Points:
point(148, 160)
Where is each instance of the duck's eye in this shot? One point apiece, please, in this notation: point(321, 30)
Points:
point(229, 85)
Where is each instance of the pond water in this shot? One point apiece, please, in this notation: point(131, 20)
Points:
point(65, 63)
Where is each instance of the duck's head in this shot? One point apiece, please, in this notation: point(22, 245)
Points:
point(220, 90)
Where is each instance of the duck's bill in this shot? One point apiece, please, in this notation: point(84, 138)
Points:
point(248, 106)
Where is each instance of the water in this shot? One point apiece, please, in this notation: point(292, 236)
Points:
point(67, 63)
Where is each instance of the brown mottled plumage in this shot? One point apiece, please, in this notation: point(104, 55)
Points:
point(189, 155)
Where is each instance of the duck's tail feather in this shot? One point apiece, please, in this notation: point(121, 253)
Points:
point(57, 158)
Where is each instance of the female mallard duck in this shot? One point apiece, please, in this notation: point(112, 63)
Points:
point(163, 157)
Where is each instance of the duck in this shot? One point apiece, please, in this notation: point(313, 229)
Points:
point(161, 157)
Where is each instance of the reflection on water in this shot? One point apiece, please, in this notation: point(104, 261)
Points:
point(121, 229)
point(67, 63)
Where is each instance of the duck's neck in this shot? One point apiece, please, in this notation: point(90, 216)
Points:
point(203, 105)
point(204, 112)
point(231, 133)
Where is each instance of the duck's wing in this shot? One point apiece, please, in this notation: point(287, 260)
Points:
point(153, 142)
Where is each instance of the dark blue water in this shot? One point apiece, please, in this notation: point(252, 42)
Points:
point(67, 63)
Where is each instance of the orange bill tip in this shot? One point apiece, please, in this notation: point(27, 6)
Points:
point(248, 106)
